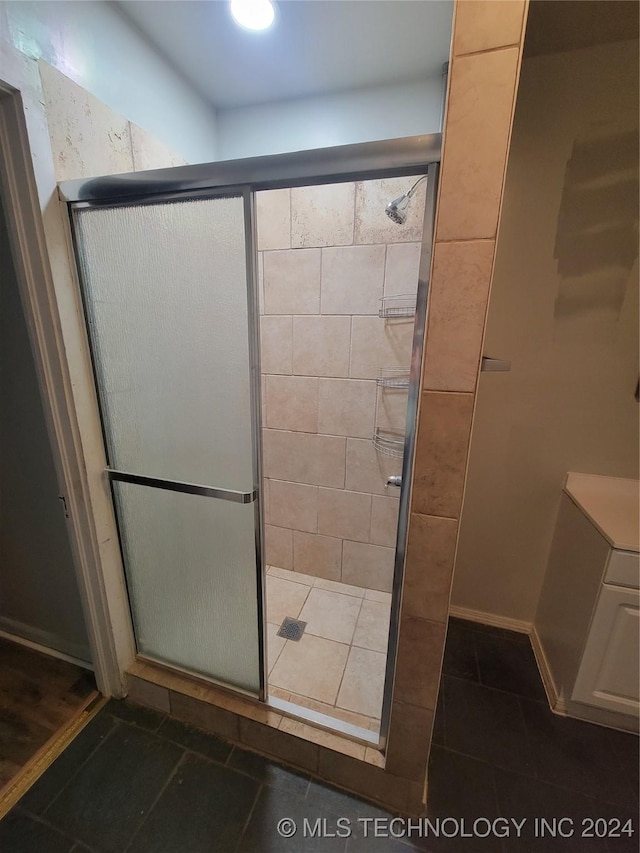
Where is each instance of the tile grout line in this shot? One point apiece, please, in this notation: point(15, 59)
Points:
point(502, 692)
point(115, 724)
point(261, 787)
point(156, 799)
point(346, 663)
point(41, 820)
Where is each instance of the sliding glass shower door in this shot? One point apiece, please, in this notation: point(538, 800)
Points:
point(169, 302)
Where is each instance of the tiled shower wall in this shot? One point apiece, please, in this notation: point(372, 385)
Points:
point(327, 255)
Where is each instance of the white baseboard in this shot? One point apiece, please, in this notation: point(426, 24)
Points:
point(492, 619)
point(556, 702)
point(567, 708)
point(44, 642)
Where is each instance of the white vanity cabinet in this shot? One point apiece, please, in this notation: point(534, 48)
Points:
point(587, 628)
point(609, 674)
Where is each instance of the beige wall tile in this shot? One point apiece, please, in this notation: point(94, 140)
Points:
point(317, 555)
point(384, 520)
point(275, 343)
point(321, 346)
point(419, 661)
point(377, 343)
point(485, 24)
point(480, 106)
point(367, 470)
point(318, 459)
point(277, 453)
point(204, 716)
point(372, 223)
point(282, 745)
point(278, 546)
point(457, 308)
point(352, 280)
point(292, 403)
point(372, 628)
point(417, 797)
point(409, 744)
point(346, 407)
point(273, 216)
point(293, 505)
point(322, 215)
point(87, 138)
point(313, 667)
point(149, 153)
point(292, 281)
point(374, 756)
point(441, 453)
point(401, 269)
point(325, 738)
point(391, 410)
point(369, 566)
point(301, 457)
point(146, 693)
point(344, 515)
point(429, 567)
point(260, 282)
point(363, 682)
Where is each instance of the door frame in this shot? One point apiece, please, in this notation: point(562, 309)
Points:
point(45, 274)
point(102, 575)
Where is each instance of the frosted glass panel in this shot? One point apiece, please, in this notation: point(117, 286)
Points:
point(190, 565)
point(165, 289)
point(166, 294)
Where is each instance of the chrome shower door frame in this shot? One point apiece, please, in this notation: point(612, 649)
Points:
point(113, 475)
point(367, 161)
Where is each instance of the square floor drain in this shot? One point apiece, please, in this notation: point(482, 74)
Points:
point(291, 629)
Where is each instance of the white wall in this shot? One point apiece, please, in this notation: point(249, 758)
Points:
point(564, 309)
point(102, 51)
point(386, 112)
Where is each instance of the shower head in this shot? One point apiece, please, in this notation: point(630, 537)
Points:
point(396, 210)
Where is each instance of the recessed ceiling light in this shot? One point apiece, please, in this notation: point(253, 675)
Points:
point(253, 14)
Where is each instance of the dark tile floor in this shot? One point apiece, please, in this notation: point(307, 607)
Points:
point(134, 781)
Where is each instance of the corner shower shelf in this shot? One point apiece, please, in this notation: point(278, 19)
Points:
point(397, 306)
point(389, 441)
point(393, 377)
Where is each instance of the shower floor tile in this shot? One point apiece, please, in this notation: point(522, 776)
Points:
point(312, 666)
point(284, 598)
point(338, 666)
point(331, 615)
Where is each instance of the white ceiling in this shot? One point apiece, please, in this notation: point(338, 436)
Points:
point(314, 47)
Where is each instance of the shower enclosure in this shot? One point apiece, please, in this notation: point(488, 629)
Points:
point(168, 266)
point(337, 293)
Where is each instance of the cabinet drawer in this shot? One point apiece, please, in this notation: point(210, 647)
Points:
point(623, 569)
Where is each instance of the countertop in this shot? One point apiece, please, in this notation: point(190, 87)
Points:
point(612, 504)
